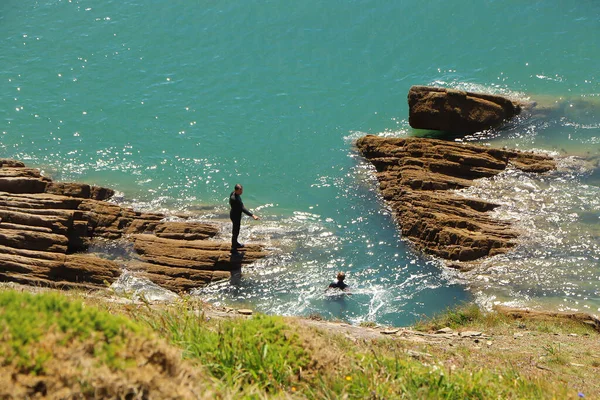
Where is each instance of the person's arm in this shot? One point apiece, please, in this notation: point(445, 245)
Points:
point(240, 206)
point(248, 213)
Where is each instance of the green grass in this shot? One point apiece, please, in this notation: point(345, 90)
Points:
point(27, 319)
point(470, 316)
point(385, 371)
point(261, 351)
point(267, 353)
point(456, 317)
point(261, 356)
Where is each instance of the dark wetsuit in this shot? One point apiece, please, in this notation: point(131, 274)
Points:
point(338, 284)
point(237, 208)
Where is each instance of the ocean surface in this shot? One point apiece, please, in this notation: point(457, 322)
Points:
point(172, 103)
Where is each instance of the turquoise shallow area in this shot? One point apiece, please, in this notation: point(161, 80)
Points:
point(172, 103)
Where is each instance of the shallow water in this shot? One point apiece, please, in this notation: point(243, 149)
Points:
point(173, 103)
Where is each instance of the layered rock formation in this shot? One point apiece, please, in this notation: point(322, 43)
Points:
point(46, 228)
point(458, 111)
point(417, 177)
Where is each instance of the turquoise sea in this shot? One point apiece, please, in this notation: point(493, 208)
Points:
point(173, 102)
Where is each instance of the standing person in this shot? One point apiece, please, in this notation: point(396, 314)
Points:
point(237, 208)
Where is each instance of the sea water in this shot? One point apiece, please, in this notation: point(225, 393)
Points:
point(172, 103)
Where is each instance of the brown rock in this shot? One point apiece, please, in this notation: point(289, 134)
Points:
point(415, 176)
point(5, 163)
point(101, 193)
point(33, 240)
point(87, 268)
point(176, 279)
point(44, 225)
point(69, 189)
point(23, 184)
point(185, 230)
point(198, 254)
point(38, 202)
point(19, 172)
point(80, 190)
point(458, 111)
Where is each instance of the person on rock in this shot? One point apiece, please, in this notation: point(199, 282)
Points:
point(237, 208)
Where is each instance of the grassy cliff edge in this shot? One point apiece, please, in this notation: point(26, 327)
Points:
point(58, 345)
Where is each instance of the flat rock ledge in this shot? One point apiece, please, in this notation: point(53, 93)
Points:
point(46, 229)
point(417, 177)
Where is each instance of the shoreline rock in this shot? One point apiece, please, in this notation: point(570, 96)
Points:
point(46, 229)
point(452, 110)
point(417, 178)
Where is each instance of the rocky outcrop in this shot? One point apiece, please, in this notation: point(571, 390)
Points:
point(46, 229)
point(416, 177)
point(457, 111)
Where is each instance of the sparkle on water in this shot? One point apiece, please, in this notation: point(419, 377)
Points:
point(172, 104)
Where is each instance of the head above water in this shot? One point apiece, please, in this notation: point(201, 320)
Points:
point(238, 189)
point(341, 276)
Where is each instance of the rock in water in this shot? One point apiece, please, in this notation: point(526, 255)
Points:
point(416, 176)
point(46, 227)
point(456, 111)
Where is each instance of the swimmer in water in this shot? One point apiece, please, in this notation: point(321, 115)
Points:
point(339, 284)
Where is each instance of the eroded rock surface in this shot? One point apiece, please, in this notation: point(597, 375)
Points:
point(458, 111)
point(46, 228)
point(416, 177)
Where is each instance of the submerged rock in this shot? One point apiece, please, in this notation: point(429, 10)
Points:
point(457, 111)
point(416, 177)
point(46, 228)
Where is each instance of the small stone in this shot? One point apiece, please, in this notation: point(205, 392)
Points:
point(244, 311)
point(517, 335)
point(489, 343)
point(573, 334)
point(444, 330)
point(469, 333)
point(390, 331)
point(417, 354)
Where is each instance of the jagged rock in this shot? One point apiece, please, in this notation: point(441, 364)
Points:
point(46, 226)
point(415, 177)
point(453, 110)
point(82, 190)
point(5, 162)
point(101, 193)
